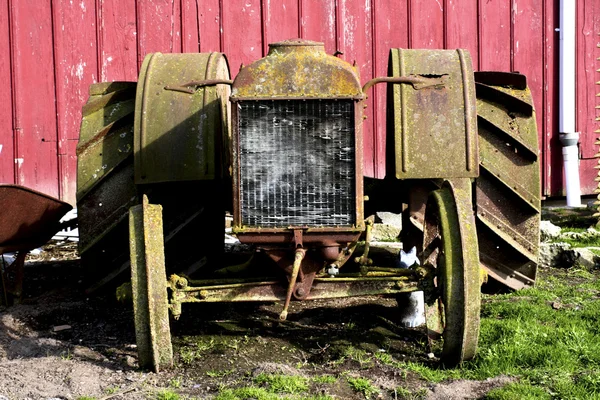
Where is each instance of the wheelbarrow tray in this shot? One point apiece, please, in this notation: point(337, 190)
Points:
point(28, 219)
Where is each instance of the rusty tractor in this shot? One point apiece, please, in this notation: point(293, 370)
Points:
point(280, 147)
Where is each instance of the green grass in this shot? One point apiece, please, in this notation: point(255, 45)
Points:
point(548, 337)
point(584, 241)
point(194, 351)
point(277, 386)
point(362, 385)
point(324, 379)
point(259, 393)
point(405, 394)
point(276, 383)
point(362, 357)
point(220, 374)
point(518, 391)
point(167, 395)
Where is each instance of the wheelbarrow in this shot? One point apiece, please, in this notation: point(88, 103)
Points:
point(28, 219)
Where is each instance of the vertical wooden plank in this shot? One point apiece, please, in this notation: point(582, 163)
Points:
point(117, 40)
point(68, 172)
point(318, 22)
point(495, 35)
point(158, 27)
point(242, 32)
point(7, 156)
point(426, 24)
point(390, 31)
point(190, 26)
point(588, 27)
point(76, 66)
point(280, 21)
point(210, 26)
point(551, 149)
point(356, 37)
point(528, 45)
point(461, 27)
point(35, 109)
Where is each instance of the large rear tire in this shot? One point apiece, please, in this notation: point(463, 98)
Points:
point(105, 185)
point(507, 192)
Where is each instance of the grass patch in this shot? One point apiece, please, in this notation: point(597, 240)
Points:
point(582, 241)
point(324, 379)
point(220, 374)
point(194, 351)
point(362, 385)
point(362, 357)
point(258, 393)
point(518, 391)
point(175, 383)
point(405, 394)
point(385, 358)
point(547, 336)
point(167, 395)
point(282, 383)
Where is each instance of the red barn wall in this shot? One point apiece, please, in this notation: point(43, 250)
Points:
point(51, 51)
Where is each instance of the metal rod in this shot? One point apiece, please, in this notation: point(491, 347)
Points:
point(412, 80)
point(299, 256)
point(192, 86)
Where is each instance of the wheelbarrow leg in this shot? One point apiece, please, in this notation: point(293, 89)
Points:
point(149, 286)
point(12, 279)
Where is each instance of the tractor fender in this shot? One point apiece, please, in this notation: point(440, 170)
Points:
point(434, 127)
point(181, 124)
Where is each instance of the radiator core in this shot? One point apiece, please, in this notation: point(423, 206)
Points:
point(297, 163)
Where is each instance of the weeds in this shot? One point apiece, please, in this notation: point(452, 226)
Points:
point(385, 358)
point(175, 383)
point(282, 383)
point(362, 385)
point(324, 379)
point(262, 394)
point(273, 387)
point(167, 395)
point(66, 355)
point(517, 391)
point(193, 352)
point(220, 374)
point(359, 355)
point(112, 389)
point(405, 394)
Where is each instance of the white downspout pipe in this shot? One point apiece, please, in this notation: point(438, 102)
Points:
point(567, 134)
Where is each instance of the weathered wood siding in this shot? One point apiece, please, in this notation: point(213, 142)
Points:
point(52, 50)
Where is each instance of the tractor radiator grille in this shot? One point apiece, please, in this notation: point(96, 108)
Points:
point(297, 163)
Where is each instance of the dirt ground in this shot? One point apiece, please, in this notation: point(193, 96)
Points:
point(60, 343)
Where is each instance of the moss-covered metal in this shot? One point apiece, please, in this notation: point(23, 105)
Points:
point(323, 288)
point(179, 135)
point(103, 141)
point(434, 126)
point(450, 245)
point(149, 287)
point(297, 69)
point(508, 192)
point(105, 186)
